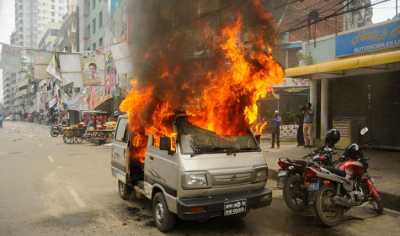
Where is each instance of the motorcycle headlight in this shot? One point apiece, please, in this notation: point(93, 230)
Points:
point(261, 174)
point(194, 181)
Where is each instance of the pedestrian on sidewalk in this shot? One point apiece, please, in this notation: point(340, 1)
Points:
point(276, 125)
point(1, 119)
point(308, 125)
point(299, 121)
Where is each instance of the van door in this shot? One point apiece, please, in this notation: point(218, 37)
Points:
point(162, 168)
point(120, 153)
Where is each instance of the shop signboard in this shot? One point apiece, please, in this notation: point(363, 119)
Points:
point(380, 37)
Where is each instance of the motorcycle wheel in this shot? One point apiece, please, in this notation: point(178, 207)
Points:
point(328, 213)
point(377, 205)
point(293, 194)
point(53, 133)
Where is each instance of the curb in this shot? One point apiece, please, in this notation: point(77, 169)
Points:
point(390, 201)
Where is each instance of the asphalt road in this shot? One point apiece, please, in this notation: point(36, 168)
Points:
point(50, 188)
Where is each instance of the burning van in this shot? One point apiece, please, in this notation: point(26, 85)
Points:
point(195, 175)
point(186, 141)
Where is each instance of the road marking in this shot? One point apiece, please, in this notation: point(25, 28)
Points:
point(50, 159)
point(76, 197)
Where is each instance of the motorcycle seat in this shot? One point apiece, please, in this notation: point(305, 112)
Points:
point(297, 162)
point(341, 173)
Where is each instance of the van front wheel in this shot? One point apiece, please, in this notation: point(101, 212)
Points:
point(123, 190)
point(164, 219)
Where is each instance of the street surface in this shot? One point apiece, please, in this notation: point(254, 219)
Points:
point(50, 188)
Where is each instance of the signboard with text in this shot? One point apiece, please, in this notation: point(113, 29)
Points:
point(372, 39)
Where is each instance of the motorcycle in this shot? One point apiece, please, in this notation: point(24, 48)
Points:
point(344, 186)
point(296, 194)
point(56, 130)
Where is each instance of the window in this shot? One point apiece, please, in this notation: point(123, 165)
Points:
point(100, 19)
point(120, 135)
point(94, 4)
point(101, 42)
point(88, 31)
point(94, 25)
point(94, 46)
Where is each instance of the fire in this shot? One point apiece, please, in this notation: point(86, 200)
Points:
point(223, 100)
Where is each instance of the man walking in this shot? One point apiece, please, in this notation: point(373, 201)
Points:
point(299, 121)
point(276, 124)
point(308, 125)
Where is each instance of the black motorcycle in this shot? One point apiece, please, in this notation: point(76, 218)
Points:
point(292, 173)
point(56, 130)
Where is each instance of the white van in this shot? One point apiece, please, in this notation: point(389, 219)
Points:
point(206, 175)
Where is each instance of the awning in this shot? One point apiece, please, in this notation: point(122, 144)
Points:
point(370, 63)
point(107, 106)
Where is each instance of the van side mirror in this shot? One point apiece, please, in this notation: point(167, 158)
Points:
point(165, 144)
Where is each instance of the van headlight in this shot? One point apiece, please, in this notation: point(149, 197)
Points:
point(194, 180)
point(261, 174)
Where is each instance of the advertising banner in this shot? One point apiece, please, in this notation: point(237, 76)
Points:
point(93, 69)
point(380, 37)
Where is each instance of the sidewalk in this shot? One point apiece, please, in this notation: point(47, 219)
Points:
point(384, 167)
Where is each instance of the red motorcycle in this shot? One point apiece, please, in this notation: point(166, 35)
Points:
point(344, 186)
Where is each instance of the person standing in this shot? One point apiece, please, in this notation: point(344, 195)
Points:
point(308, 125)
point(276, 125)
point(1, 119)
point(300, 120)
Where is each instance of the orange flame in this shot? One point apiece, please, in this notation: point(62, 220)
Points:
point(227, 102)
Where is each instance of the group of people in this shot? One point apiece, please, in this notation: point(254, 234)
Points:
point(304, 131)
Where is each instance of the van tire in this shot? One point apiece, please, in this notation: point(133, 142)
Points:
point(163, 218)
point(124, 190)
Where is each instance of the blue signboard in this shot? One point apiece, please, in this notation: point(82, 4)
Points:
point(369, 40)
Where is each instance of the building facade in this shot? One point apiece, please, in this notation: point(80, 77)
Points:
point(354, 83)
point(34, 17)
point(92, 20)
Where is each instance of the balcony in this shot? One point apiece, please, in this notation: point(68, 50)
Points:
point(21, 93)
point(22, 83)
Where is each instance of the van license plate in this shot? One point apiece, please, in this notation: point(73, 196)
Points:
point(235, 207)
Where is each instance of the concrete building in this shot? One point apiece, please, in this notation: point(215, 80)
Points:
point(9, 91)
point(92, 20)
point(360, 18)
point(34, 17)
point(65, 38)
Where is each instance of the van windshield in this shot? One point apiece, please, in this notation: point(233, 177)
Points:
point(195, 140)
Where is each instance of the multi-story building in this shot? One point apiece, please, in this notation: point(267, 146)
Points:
point(34, 17)
point(9, 91)
point(92, 19)
point(359, 18)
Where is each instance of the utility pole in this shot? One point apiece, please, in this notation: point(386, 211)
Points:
point(397, 8)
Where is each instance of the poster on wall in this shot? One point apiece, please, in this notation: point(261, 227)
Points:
point(93, 69)
point(111, 75)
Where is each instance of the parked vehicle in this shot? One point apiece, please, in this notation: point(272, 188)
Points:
point(56, 130)
point(206, 176)
point(344, 186)
point(297, 194)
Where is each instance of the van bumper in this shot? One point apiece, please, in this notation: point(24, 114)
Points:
point(202, 208)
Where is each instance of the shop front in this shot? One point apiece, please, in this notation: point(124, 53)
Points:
point(354, 92)
point(357, 84)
